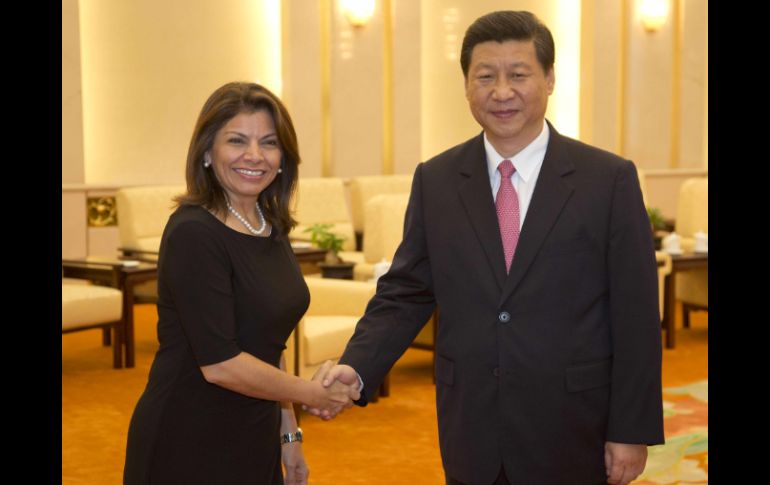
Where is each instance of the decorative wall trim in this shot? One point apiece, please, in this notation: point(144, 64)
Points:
point(101, 211)
point(387, 88)
point(676, 83)
point(326, 81)
point(680, 172)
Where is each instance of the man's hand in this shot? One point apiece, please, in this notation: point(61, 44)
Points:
point(335, 377)
point(624, 462)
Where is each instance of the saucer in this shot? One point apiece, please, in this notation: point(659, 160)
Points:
point(674, 252)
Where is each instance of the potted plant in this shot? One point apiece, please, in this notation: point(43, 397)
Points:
point(323, 238)
point(658, 224)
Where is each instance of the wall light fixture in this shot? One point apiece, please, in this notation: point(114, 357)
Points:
point(358, 12)
point(653, 13)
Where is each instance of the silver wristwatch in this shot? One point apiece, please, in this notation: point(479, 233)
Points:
point(291, 437)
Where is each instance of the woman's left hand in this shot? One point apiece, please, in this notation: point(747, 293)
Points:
point(294, 460)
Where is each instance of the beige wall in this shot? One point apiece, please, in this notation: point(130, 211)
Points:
point(71, 100)
point(407, 86)
point(356, 94)
point(301, 63)
point(148, 67)
point(645, 94)
point(446, 119)
point(351, 136)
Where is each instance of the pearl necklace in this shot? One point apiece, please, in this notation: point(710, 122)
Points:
point(262, 222)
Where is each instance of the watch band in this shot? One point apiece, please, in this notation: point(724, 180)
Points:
point(291, 437)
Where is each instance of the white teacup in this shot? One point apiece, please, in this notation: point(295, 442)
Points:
point(701, 242)
point(672, 243)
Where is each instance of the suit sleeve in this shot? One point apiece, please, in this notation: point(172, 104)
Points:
point(636, 405)
point(402, 305)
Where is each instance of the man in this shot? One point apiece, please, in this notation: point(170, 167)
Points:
point(548, 347)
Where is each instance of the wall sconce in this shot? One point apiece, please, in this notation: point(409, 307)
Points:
point(358, 12)
point(654, 14)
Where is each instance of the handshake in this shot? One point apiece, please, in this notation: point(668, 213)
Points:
point(334, 387)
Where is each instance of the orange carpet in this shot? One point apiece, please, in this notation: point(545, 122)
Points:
point(392, 441)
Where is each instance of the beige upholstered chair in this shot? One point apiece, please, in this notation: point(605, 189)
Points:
point(362, 189)
point(692, 216)
point(664, 269)
point(384, 229)
point(323, 201)
point(85, 306)
point(322, 334)
point(142, 215)
point(335, 308)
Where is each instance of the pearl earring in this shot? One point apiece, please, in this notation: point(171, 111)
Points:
point(206, 161)
point(280, 170)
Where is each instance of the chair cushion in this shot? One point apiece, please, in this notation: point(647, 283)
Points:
point(692, 210)
point(143, 213)
point(363, 188)
point(322, 200)
point(384, 226)
point(693, 287)
point(325, 337)
point(83, 305)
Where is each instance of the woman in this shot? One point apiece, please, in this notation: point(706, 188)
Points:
point(230, 292)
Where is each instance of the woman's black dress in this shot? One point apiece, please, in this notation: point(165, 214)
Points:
point(220, 292)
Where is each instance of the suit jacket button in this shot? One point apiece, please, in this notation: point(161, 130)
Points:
point(496, 372)
point(504, 317)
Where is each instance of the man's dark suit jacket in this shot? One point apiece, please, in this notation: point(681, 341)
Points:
point(538, 368)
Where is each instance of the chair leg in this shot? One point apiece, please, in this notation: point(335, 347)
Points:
point(686, 309)
point(117, 347)
point(106, 336)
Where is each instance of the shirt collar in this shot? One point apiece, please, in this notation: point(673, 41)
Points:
point(526, 161)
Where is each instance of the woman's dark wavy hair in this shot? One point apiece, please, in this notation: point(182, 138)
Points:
point(203, 188)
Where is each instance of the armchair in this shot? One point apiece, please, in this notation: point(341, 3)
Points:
point(692, 216)
point(142, 215)
point(384, 229)
point(322, 200)
point(335, 308)
point(363, 189)
point(85, 306)
point(664, 269)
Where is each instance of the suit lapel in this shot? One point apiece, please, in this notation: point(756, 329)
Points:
point(476, 196)
point(550, 194)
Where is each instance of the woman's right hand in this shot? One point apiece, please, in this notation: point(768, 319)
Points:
point(335, 398)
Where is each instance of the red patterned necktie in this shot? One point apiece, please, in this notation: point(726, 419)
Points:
point(507, 204)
